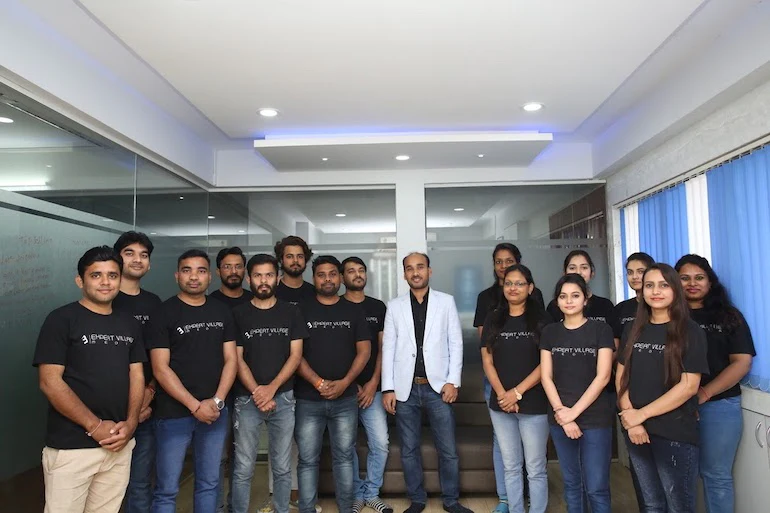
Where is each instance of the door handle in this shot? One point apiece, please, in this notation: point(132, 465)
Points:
point(756, 434)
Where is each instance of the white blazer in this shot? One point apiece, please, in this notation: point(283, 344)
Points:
point(442, 344)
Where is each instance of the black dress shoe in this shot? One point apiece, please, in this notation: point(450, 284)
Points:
point(415, 507)
point(457, 508)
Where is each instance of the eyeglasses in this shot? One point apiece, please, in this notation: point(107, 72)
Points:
point(517, 284)
point(229, 267)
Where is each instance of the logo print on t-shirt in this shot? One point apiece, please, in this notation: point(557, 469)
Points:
point(328, 324)
point(85, 339)
point(372, 320)
point(263, 331)
point(573, 351)
point(310, 325)
point(643, 346)
point(180, 330)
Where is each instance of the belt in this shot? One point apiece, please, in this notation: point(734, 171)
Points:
point(420, 381)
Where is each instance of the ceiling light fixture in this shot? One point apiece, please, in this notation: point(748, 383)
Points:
point(532, 106)
point(241, 231)
point(324, 158)
point(212, 217)
point(181, 197)
point(480, 155)
point(48, 165)
point(107, 219)
point(6, 120)
point(153, 233)
point(340, 214)
point(459, 209)
point(402, 157)
point(268, 112)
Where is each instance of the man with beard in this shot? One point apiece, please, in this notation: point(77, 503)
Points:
point(89, 358)
point(192, 341)
point(135, 249)
point(293, 253)
point(371, 412)
point(422, 331)
point(270, 333)
point(231, 268)
point(334, 354)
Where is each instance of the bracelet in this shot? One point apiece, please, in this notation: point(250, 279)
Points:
point(319, 384)
point(94, 429)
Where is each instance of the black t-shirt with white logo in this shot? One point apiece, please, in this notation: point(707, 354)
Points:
point(295, 296)
point(96, 351)
point(647, 379)
point(374, 310)
point(575, 353)
point(141, 307)
point(232, 302)
point(625, 313)
point(515, 355)
point(266, 336)
point(722, 342)
point(331, 346)
point(195, 335)
point(598, 309)
point(487, 301)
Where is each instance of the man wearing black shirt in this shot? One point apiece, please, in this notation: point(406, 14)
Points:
point(90, 358)
point(293, 253)
point(135, 249)
point(192, 341)
point(270, 334)
point(333, 356)
point(371, 412)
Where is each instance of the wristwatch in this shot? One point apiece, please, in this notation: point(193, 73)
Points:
point(518, 394)
point(219, 402)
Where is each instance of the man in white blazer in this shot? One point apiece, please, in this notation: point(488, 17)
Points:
point(422, 360)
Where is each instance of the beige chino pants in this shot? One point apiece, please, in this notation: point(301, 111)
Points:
point(86, 480)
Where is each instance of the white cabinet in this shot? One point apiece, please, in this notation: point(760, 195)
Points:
point(752, 464)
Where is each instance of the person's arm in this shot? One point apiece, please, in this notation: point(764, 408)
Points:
point(740, 365)
point(546, 378)
point(263, 394)
point(124, 430)
point(205, 411)
point(336, 388)
point(309, 375)
point(488, 363)
point(229, 370)
point(244, 372)
point(624, 401)
point(366, 395)
point(603, 371)
point(671, 400)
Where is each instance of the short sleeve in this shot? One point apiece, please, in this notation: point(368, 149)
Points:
point(362, 331)
point(297, 327)
point(481, 310)
point(694, 359)
point(157, 332)
point(231, 331)
point(137, 354)
point(741, 341)
point(605, 337)
point(52, 341)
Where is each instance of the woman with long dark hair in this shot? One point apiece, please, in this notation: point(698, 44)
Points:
point(517, 404)
point(730, 352)
point(576, 363)
point(659, 369)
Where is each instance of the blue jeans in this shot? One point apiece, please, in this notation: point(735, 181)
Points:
point(442, 424)
point(247, 424)
point(139, 491)
point(173, 437)
point(374, 419)
point(497, 456)
point(720, 426)
point(523, 440)
point(668, 474)
point(585, 468)
point(312, 419)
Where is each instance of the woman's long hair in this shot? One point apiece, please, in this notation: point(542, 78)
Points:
point(676, 332)
point(533, 312)
point(497, 290)
point(717, 302)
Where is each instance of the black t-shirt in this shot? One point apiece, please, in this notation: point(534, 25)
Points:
point(721, 344)
point(141, 307)
point(575, 353)
point(232, 302)
point(516, 354)
point(647, 379)
point(266, 336)
point(331, 346)
point(195, 335)
point(374, 309)
point(487, 301)
point(625, 313)
point(96, 351)
point(598, 309)
point(295, 296)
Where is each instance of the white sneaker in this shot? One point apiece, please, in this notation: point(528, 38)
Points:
point(295, 505)
point(267, 505)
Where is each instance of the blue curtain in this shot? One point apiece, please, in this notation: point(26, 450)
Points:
point(739, 214)
point(663, 225)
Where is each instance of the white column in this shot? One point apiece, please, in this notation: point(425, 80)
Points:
point(410, 223)
point(698, 228)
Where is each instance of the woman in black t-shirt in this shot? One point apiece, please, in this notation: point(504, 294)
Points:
point(517, 404)
point(660, 363)
point(576, 362)
point(730, 352)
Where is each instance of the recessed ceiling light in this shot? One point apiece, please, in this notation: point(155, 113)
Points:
point(268, 112)
point(181, 197)
point(402, 157)
point(153, 233)
point(340, 214)
point(532, 106)
point(48, 165)
point(241, 231)
point(212, 217)
point(107, 219)
point(6, 120)
point(324, 158)
point(480, 155)
point(459, 209)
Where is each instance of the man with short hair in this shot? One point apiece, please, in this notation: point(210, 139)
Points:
point(89, 357)
point(293, 253)
point(334, 354)
point(422, 330)
point(192, 341)
point(270, 333)
point(371, 412)
point(135, 248)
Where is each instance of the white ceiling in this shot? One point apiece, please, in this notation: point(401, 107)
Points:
point(352, 67)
